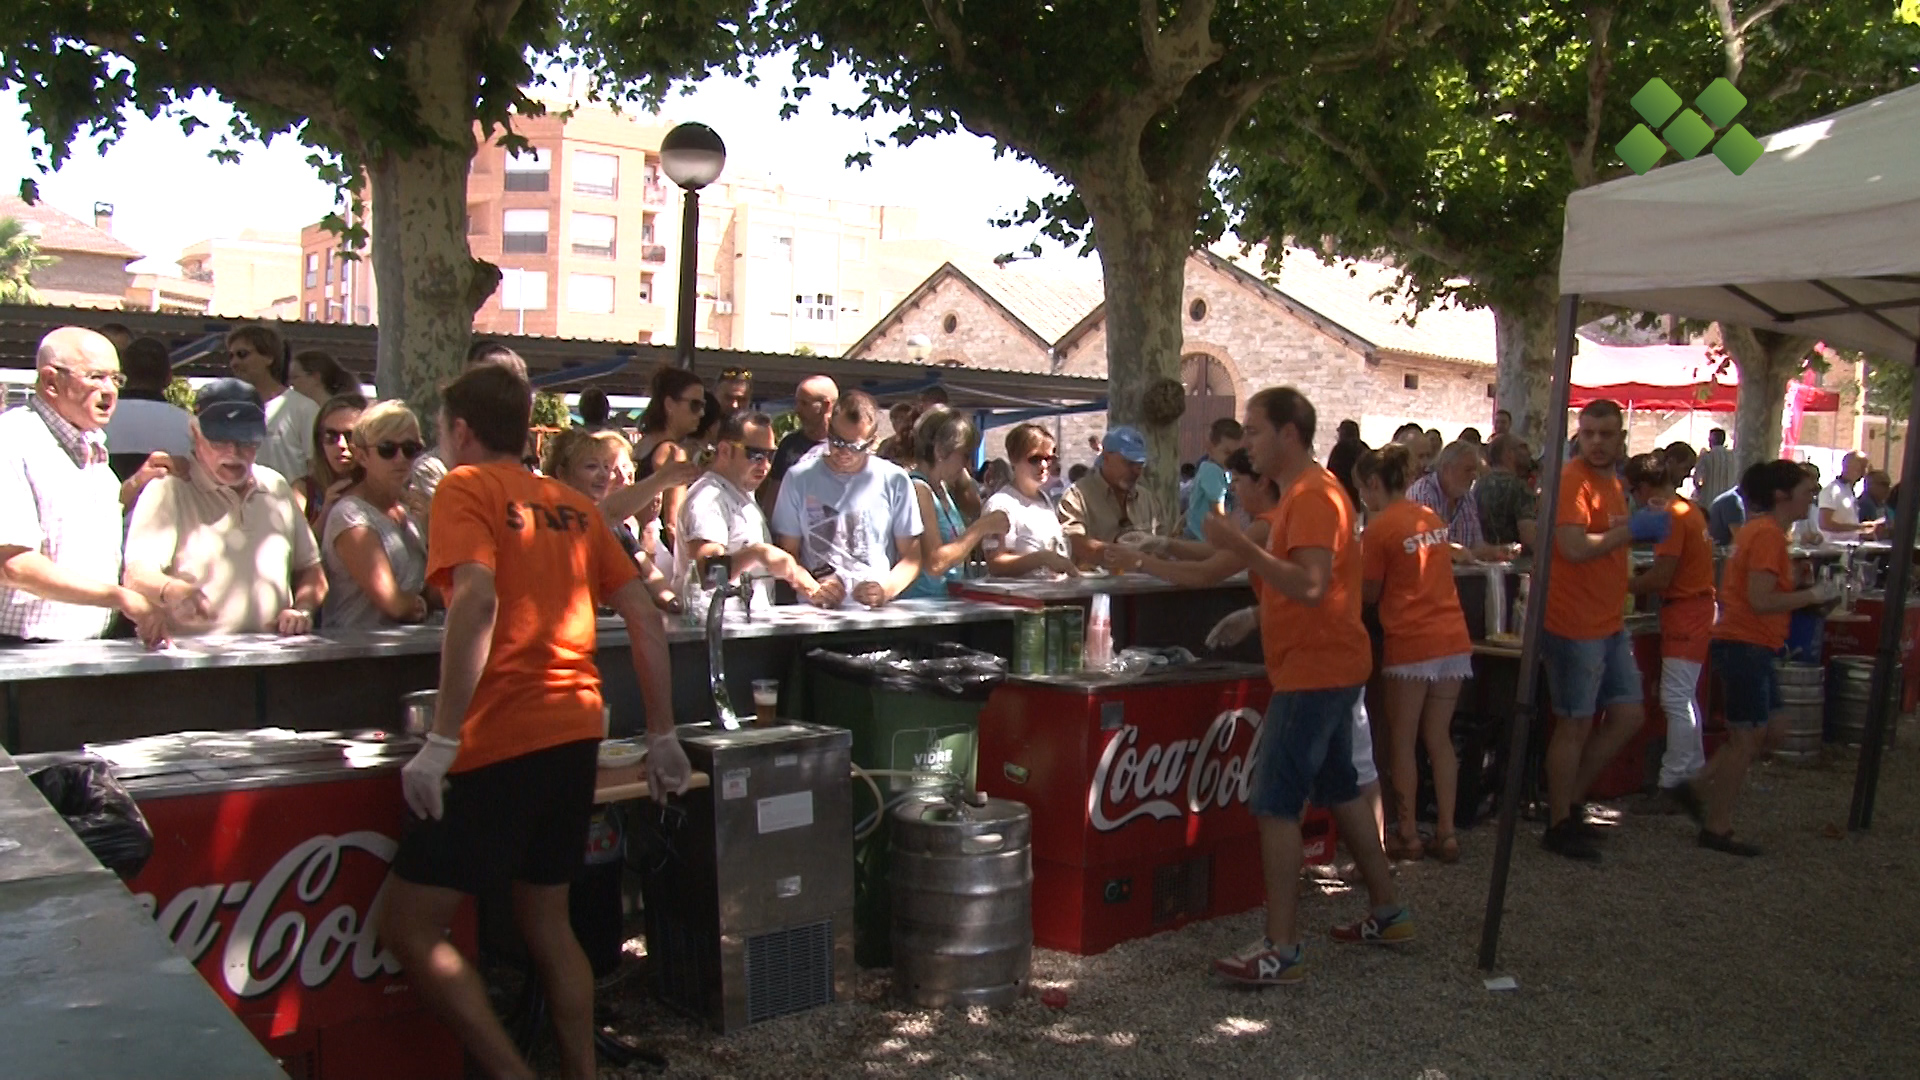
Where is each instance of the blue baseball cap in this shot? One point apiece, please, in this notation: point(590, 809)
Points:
point(230, 411)
point(1128, 443)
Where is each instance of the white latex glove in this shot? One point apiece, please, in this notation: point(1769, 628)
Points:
point(1233, 629)
point(668, 771)
point(1826, 592)
point(421, 778)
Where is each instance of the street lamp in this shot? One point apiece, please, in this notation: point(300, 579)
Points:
point(692, 155)
point(919, 347)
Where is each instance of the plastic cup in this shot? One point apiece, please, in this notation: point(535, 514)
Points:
point(766, 700)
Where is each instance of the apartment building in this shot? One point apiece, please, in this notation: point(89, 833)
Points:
point(585, 228)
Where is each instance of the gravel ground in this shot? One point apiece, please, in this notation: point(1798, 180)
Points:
point(1664, 961)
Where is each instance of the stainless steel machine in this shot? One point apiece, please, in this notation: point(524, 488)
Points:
point(748, 883)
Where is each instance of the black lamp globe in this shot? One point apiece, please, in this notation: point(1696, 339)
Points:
point(693, 155)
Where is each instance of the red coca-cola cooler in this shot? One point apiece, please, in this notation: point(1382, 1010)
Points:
point(1139, 792)
point(1860, 636)
point(270, 849)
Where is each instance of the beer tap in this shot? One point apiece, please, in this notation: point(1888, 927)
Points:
point(718, 568)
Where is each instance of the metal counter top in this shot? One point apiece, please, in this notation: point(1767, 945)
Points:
point(77, 659)
point(1085, 586)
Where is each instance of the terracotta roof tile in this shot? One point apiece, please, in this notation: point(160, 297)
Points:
point(63, 232)
point(1050, 303)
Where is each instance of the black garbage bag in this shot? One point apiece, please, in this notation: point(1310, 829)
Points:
point(941, 668)
point(84, 791)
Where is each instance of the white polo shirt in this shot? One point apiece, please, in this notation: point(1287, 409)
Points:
point(715, 511)
point(57, 497)
point(289, 445)
point(243, 547)
point(1838, 497)
point(1035, 527)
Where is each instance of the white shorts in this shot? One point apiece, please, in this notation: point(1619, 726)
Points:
point(1457, 666)
point(1363, 769)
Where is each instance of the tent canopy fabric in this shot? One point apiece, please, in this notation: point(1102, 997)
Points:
point(1829, 214)
point(1676, 378)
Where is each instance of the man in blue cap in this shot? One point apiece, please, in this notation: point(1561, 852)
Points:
point(224, 548)
point(1109, 502)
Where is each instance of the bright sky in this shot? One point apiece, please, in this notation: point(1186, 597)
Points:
point(168, 194)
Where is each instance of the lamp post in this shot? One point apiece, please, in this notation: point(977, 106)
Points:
point(692, 156)
point(919, 347)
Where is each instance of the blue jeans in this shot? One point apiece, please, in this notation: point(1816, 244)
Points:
point(1752, 685)
point(1587, 675)
point(1306, 752)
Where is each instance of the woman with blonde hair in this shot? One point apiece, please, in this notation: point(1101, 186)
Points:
point(375, 557)
point(599, 465)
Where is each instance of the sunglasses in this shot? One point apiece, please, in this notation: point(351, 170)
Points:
point(740, 374)
point(835, 442)
point(412, 448)
point(698, 404)
point(1037, 460)
point(755, 454)
point(335, 435)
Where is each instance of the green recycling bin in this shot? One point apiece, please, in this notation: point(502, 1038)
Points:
point(911, 708)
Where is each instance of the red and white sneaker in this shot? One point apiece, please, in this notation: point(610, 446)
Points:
point(1260, 964)
point(1371, 931)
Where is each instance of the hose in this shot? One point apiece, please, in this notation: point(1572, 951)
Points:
point(867, 827)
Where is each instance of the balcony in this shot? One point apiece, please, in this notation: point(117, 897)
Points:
point(653, 194)
point(523, 243)
point(594, 251)
point(517, 180)
point(598, 191)
point(652, 253)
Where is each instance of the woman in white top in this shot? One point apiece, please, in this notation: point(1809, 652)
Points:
point(375, 557)
point(1034, 544)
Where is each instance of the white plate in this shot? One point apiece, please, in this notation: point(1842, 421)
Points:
point(616, 753)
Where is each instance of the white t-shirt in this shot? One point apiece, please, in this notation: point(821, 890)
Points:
point(347, 606)
point(66, 511)
point(847, 521)
point(289, 445)
point(1838, 497)
point(1035, 526)
point(715, 511)
point(140, 426)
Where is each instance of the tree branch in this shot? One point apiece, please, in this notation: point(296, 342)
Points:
point(1759, 14)
point(1184, 48)
point(1599, 71)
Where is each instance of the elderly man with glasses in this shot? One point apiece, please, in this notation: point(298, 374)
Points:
point(225, 548)
point(60, 501)
point(1109, 502)
point(850, 517)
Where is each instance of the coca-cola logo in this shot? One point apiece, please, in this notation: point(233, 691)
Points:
point(1134, 782)
point(271, 938)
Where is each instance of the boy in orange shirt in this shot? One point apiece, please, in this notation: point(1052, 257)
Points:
point(1682, 577)
point(1757, 601)
point(524, 560)
point(1588, 657)
point(1318, 658)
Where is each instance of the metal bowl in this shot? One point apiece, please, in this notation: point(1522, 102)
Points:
point(416, 712)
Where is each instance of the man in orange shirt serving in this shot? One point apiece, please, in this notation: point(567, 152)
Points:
point(524, 560)
point(1318, 658)
point(1757, 600)
point(1588, 657)
point(1682, 577)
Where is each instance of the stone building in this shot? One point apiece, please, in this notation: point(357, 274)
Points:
point(1335, 332)
point(89, 267)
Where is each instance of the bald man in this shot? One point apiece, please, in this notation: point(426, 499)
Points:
point(1839, 510)
point(813, 400)
point(60, 523)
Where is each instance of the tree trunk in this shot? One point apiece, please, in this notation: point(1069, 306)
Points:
point(1523, 346)
point(1768, 361)
point(1144, 233)
point(428, 283)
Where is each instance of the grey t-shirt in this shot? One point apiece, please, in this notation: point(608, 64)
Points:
point(348, 607)
point(848, 521)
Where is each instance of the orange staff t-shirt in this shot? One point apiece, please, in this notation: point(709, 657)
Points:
point(553, 559)
point(1587, 600)
point(1406, 550)
point(1686, 607)
point(1759, 547)
point(1324, 647)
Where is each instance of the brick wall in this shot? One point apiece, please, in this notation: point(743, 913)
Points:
point(84, 279)
point(982, 334)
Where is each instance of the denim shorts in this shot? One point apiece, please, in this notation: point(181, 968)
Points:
point(1306, 752)
point(1587, 675)
point(1752, 686)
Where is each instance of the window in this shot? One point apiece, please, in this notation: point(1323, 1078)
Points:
point(1493, 391)
point(646, 288)
point(1410, 381)
point(590, 294)
point(593, 234)
point(813, 307)
point(523, 290)
point(1197, 310)
point(329, 266)
point(949, 324)
point(527, 170)
point(850, 301)
point(646, 228)
point(596, 174)
point(706, 285)
point(853, 248)
point(313, 309)
point(776, 246)
point(524, 232)
point(313, 270)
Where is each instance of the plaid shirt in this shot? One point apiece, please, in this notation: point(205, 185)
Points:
point(1462, 516)
point(57, 497)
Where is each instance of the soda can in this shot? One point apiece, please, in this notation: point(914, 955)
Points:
point(1056, 641)
point(1030, 643)
point(1073, 620)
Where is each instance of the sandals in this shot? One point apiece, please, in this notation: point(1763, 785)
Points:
point(1446, 849)
point(1399, 850)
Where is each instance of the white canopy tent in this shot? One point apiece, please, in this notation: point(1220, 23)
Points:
point(1821, 237)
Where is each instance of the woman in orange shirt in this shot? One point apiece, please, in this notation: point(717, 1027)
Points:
point(1757, 600)
point(1407, 569)
point(1682, 577)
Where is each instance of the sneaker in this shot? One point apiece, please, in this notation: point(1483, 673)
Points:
point(1688, 799)
point(1714, 841)
point(1587, 827)
point(1260, 964)
point(1371, 931)
point(1569, 839)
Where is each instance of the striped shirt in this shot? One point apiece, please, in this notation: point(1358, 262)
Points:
point(57, 497)
point(1713, 475)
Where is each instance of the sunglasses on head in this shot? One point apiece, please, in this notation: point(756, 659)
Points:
point(412, 448)
point(740, 374)
point(1037, 460)
point(835, 442)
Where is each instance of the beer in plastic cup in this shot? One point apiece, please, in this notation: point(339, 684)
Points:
point(766, 701)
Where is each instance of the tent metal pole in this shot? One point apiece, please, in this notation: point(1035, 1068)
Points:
point(1528, 690)
point(1882, 691)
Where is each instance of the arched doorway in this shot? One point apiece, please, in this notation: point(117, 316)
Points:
point(1209, 397)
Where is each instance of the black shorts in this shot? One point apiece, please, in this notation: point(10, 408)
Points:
point(522, 819)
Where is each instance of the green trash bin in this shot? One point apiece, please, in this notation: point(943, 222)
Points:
point(910, 709)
